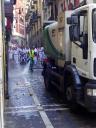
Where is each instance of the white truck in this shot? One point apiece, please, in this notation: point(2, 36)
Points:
point(71, 52)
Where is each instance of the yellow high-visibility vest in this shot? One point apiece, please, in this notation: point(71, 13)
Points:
point(31, 53)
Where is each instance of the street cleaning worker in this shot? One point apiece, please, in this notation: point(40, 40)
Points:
point(31, 54)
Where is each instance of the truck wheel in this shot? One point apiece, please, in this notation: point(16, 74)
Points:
point(47, 83)
point(71, 96)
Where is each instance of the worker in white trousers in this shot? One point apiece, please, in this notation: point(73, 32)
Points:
point(16, 57)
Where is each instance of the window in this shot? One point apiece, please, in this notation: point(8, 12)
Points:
point(84, 33)
point(94, 25)
point(83, 24)
point(7, 1)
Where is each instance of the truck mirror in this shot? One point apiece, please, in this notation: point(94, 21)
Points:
point(69, 20)
point(74, 33)
point(71, 33)
point(75, 19)
point(72, 20)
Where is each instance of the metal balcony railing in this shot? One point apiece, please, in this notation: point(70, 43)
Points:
point(28, 14)
point(49, 2)
point(28, 28)
point(35, 1)
point(13, 2)
point(34, 17)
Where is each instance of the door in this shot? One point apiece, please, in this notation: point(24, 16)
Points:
point(80, 47)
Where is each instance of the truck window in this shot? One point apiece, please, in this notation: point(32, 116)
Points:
point(84, 32)
point(94, 25)
point(83, 25)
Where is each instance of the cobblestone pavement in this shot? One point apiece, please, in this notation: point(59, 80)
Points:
point(31, 106)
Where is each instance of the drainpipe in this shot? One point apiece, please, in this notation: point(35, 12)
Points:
point(1, 64)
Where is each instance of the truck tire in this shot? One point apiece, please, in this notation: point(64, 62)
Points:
point(47, 83)
point(71, 95)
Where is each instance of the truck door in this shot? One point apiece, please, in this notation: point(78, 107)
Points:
point(80, 46)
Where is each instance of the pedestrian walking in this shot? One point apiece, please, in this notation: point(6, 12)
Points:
point(35, 56)
point(31, 54)
point(16, 58)
point(41, 54)
point(10, 54)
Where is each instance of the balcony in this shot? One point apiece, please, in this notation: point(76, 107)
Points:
point(35, 1)
point(28, 28)
point(27, 15)
point(49, 2)
point(29, 12)
point(34, 17)
point(8, 6)
point(31, 20)
point(10, 1)
point(39, 15)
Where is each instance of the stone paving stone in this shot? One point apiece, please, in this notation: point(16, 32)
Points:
point(61, 119)
point(20, 109)
point(24, 120)
point(67, 119)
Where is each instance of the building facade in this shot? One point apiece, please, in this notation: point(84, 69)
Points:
point(18, 31)
point(7, 32)
point(53, 8)
point(38, 11)
point(8, 9)
point(34, 22)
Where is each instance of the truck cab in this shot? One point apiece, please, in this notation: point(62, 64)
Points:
point(82, 36)
point(83, 53)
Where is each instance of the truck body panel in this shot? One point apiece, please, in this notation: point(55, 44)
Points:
point(57, 43)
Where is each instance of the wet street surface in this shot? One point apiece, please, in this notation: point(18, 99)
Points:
point(31, 106)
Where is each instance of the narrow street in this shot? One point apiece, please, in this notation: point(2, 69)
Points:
point(31, 106)
point(58, 37)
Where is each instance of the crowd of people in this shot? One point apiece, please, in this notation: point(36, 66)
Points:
point(23, 55)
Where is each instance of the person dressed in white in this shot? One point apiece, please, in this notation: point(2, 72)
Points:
point(10, 54)
point(28, 49)
point(35, 55)
point(16, 55)
point(19, 51)
point(41, 53)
